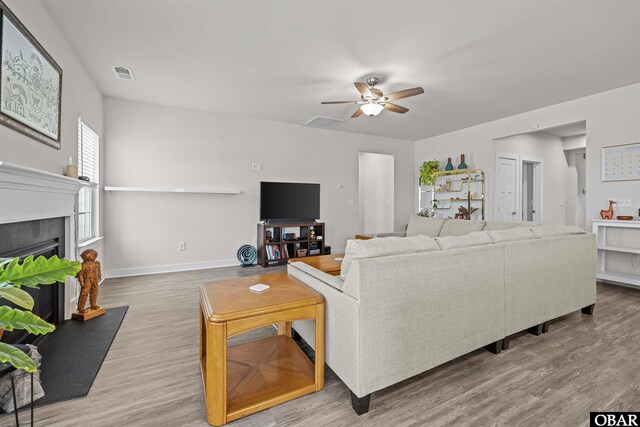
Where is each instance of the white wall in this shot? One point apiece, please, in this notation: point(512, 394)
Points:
point(547, 148)
point(80, 97)
point(574, 142)
point(376, 193)
point(156, 146)
point(611, 117)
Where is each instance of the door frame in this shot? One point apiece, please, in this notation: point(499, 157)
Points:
point(538, 181)
point(517, 185)
point(537, 177)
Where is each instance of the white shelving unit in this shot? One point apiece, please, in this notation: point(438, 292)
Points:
point(600, 227)
point(170, 190)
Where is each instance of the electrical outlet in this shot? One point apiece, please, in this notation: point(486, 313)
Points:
point(622, 202)
point(350, 202)
point(182, 246)
point(254, 166)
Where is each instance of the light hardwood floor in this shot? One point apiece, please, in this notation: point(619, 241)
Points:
point(151, 375)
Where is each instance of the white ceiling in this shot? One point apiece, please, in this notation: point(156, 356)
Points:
point(477, 60)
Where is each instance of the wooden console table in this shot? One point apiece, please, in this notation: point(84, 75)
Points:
point(250, 377)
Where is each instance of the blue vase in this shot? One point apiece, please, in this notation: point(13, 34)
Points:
point(462, 164)
point(449, 166)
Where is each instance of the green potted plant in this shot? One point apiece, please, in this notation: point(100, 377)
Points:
point(30, 273)
point(427, 171)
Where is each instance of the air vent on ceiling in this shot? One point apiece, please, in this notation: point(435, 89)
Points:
point(123, 73)
point(323, 122)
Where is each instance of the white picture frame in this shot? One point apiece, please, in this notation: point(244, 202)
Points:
point(621, 162)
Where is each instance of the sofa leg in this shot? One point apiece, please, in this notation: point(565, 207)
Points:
point(505, 343)
point(588, 309)
point(360, 404)
point(536, 330)
point(545, 327)
point(495, 347)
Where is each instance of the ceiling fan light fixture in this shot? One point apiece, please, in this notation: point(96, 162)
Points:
point(371, 108)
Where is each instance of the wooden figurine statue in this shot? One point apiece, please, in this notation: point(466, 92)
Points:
point(607, 214)
point(89, 277)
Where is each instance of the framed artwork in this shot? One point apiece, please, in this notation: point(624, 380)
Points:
point(30, 83)
point(621, 162)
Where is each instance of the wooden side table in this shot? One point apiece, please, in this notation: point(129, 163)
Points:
point(247, 378)
point(363, 237)
point(327, 263)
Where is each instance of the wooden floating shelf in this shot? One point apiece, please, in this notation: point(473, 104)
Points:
point(170, 190)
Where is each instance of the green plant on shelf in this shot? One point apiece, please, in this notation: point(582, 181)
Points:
point(427, 172)
point(30, 273)
point(429, 212)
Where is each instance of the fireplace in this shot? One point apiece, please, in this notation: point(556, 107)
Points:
point(38, 217)
point(43, 237)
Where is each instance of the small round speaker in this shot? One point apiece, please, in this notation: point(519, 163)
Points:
point(247, 255)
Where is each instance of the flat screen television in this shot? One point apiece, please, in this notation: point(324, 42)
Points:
point(282, 202)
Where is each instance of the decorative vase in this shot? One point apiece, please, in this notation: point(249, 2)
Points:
point(462, 164)
point(449, 166)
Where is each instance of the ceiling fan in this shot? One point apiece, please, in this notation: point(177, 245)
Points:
point(374, 101)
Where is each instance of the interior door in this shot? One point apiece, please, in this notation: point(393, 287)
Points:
point(376, 198)
point(506, 189)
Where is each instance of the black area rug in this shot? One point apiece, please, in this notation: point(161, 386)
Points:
point(73, 353)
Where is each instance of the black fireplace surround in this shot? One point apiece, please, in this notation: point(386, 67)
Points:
point(44, 237)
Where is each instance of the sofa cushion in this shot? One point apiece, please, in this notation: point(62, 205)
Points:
point(556, 230)
point(460, 227)
point(510, 235)
point(506, 225)
point(476, 238)
point(422, 226)
point(379, 247)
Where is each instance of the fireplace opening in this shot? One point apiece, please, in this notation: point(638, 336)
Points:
point(45, 237)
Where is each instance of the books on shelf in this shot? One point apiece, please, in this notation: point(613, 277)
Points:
point(274, 252)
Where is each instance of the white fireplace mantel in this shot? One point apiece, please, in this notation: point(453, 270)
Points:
point(28, 194)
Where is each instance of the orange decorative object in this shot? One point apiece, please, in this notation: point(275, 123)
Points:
point(607, 214)
point(89, 277)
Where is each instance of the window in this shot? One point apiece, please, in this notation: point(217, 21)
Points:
point(88, 150)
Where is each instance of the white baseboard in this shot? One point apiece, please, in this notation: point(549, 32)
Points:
point(169, 268)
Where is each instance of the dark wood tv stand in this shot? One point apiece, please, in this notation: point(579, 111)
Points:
point(274, 250)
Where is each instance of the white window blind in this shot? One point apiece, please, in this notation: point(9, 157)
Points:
point(88, 149)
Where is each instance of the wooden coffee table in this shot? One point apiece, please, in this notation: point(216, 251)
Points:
point(250, 377)
point(327, 263)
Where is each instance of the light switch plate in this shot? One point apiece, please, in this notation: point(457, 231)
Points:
point(622, 202)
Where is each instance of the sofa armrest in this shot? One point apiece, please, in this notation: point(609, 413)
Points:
point(341, 322)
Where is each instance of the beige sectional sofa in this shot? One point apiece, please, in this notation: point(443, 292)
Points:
point(403, 305)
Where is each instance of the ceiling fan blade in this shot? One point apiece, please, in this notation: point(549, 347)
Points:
point(339, 102)
point(358, 113)
point(395, 108)
point(404, 93)
point(363, 89)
